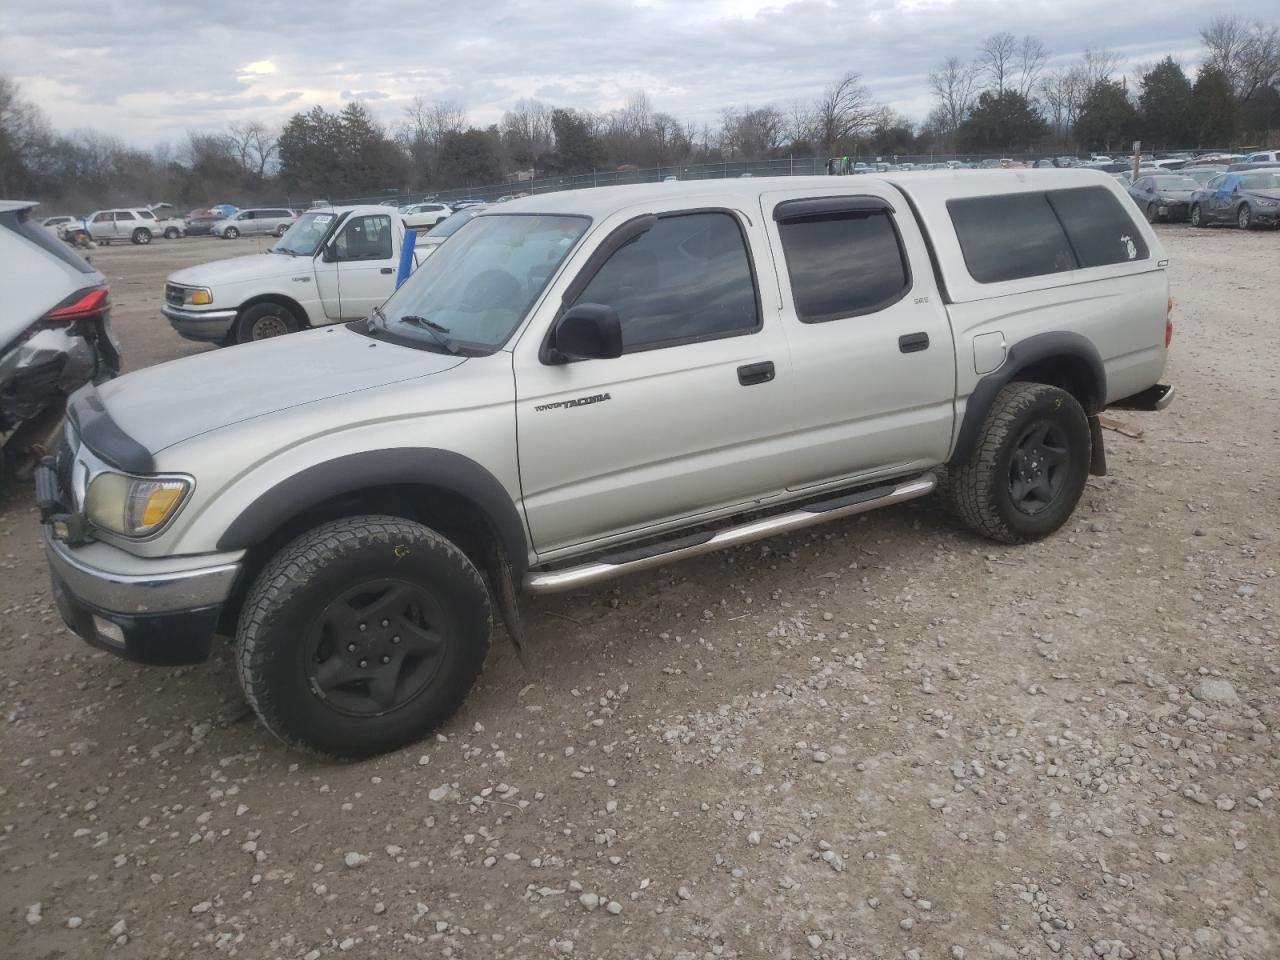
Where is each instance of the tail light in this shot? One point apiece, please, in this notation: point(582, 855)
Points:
point(1168, 325)
point(84, 304)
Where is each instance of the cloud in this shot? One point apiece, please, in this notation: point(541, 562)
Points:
point(193, 69)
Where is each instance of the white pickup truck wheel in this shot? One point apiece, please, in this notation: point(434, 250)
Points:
point(361, 636)
point(265, 320)
point(1026, 475)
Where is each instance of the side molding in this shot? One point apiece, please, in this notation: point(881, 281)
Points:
point(377, 468)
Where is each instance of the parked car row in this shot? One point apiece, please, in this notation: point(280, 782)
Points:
point(1246, 198)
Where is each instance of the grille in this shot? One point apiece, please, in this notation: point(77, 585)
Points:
point(173, 294)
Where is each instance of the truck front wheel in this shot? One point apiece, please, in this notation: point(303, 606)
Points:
point(1028, 471)
point(264, 320)
point(361, 636)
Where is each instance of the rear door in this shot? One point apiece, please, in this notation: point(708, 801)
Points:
point(870, 341)
point(366, 264)
point(693, 417)
point(125, 222)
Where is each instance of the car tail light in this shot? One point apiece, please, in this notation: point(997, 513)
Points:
point(1168, 325)
point(81, 305)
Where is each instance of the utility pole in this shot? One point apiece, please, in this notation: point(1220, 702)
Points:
point(1137, 159)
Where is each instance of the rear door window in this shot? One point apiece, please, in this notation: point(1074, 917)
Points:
point(125, 215)
point(687, 279)
point(1100, 230)
point(843, 264)
point(1010, 237)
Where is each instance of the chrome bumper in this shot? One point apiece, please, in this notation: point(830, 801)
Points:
point(110, 580)
point(199, 324)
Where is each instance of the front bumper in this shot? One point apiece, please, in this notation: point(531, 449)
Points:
point(160, 611)
point(209, 325)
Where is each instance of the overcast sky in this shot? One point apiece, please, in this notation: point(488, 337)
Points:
point(147, 70)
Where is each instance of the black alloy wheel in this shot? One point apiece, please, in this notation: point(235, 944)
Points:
point(376, 647)
point(1037, 473)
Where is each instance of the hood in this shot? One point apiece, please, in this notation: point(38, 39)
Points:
point(1176, 194)
point(170, 402)
point(254, 266)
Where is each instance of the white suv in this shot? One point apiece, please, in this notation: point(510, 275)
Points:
point(135, 224)
point(587, 383)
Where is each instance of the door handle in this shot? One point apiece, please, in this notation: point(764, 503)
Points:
point(753, 373)
point(913, 342)
point(386, 270)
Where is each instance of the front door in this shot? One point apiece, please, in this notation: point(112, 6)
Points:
point(365, 262)
point(692, 417)
point(871, 345)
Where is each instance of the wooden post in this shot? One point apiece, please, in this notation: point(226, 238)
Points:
point(1137, 158)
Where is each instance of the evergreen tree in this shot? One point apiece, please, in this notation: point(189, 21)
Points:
point(1165, 105)
point(1214, 109)
point(1108, 121)
point(1002, 121)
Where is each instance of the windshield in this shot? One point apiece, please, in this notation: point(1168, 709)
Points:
point(455, 222)
point(1260, 181)
point(477, 288)
point(303, 238)
point(1176, 183)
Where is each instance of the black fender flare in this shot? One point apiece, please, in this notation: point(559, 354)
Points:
point(1042, 346)
point(418, 466)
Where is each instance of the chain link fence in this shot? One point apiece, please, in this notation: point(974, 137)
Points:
point(777, 167)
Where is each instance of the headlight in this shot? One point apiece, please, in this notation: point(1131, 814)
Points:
point(198, 296)
point(133, 506)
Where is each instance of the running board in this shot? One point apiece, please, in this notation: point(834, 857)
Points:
point(658, 554)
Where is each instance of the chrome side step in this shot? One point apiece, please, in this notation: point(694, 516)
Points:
point(659, 554)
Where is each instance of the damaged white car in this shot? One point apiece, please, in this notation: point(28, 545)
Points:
point(55, 334)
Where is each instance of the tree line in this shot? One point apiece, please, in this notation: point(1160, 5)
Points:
point(1005, 98)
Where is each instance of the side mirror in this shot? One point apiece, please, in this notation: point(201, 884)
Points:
point(328, 254)
point(587, 331)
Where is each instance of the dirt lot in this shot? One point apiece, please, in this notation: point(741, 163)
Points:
point(884, 739)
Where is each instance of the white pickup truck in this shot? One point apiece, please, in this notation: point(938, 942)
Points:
point(332, 265)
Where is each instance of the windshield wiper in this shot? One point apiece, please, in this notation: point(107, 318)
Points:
point(437, 330)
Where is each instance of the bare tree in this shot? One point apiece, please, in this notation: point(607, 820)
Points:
point(527, 133)
point(1029, 64)
point(844, 110)
point(1098, 63)
point(1247, 52)
point(752, 133)
point(997, 56)
point(799, 121)
point(954, 84)
point(255, 145)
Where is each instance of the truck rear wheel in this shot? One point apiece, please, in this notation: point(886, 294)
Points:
point(361, 636)
point(1028, 471)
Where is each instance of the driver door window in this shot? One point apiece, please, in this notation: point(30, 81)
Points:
point(685, 280)
point(365, 238)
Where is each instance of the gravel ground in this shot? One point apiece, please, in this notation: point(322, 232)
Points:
point(883, 739)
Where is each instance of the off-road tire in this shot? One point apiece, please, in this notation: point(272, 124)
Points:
point(980, 490)
point(299, 582)
point(254, 322)
point(141, 236)
point(1196, 216)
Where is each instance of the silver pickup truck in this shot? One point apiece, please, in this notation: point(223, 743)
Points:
point(583, 384)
